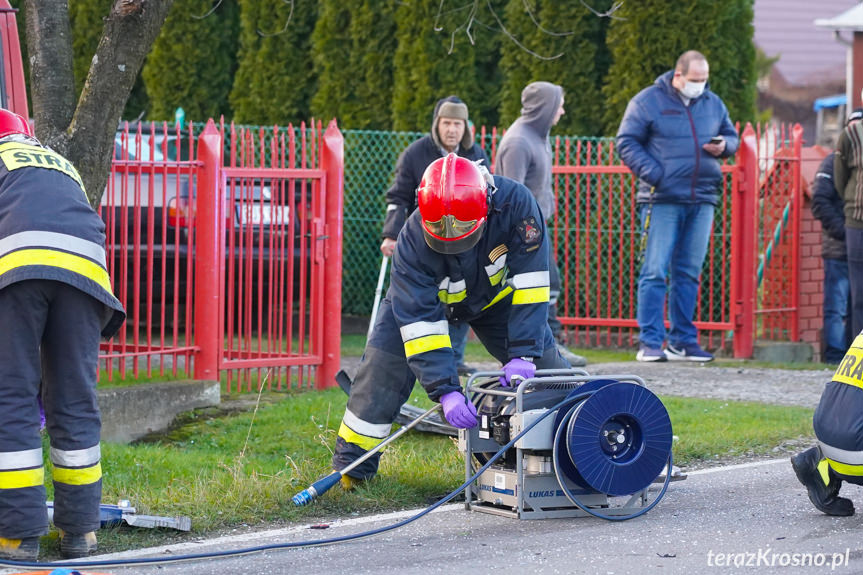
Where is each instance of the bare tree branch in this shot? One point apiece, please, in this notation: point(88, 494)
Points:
point(537, 24)
point(210, 11)
point(608, 13)
point(285, 28)
point(515, 40)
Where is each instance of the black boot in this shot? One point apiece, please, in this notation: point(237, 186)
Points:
point(825, 497)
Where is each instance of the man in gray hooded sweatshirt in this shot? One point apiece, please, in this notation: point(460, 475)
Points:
point(524, 155)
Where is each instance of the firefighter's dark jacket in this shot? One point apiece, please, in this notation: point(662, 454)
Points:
point(48, 229)
point(505, 273)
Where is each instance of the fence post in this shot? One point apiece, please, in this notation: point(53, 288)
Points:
point(333, 164)
point(744, 211)
point(797, 214)
point(209, 240)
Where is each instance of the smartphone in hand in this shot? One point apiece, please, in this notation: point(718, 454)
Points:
point(717, 140)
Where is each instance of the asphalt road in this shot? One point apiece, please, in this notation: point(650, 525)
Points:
point(752, 518)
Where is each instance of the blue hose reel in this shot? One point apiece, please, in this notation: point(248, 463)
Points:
point(599, 454)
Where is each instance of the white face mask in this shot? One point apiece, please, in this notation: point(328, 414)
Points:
point(692, 90)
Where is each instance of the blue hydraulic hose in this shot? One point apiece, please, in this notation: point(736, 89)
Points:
point(297, 544)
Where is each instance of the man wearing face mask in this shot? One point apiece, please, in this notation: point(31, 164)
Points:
point(671, 137)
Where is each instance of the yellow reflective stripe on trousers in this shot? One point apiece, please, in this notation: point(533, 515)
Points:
point(82, 476)
point(37, 257)
point(530, 295)
point(427, 343)
point(846, 468)
point(22, 478)
point(352, 436)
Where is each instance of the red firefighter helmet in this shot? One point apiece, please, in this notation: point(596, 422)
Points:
point(453, 202)
point(12, 123)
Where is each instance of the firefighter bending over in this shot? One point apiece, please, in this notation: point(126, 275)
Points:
point(55, 303)
point(475, 251)
point(838, 423)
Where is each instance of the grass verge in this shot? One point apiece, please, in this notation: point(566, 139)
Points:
point(240, 470)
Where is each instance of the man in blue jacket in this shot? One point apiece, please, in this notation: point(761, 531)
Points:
point(671, 137)
point(828, 208)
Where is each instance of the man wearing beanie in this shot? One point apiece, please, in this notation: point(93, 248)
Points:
point(524, 155)
point(449, 134)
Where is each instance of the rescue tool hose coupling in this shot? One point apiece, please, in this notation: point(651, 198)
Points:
point(323, 485)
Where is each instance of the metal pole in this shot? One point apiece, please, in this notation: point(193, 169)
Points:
point(378, 290)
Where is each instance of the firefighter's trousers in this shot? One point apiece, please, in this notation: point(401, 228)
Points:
point(384, 382)
point(49, 340)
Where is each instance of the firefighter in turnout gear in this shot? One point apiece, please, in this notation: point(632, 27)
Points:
point(475, 251)
point(838, 423)
point(55, 303)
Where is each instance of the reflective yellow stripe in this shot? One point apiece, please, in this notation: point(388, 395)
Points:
point(83, 476)
point(22, 478)
point(845, 468)
point(427, 343)
point(77, 264)
point(449, 298)
point(352, 436)
point(531, 295)
point(823, 467)
point(495, 279)
point(500, 295)
point(850, 369)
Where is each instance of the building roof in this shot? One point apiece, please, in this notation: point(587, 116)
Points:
point(808, 54)
point(851, 19)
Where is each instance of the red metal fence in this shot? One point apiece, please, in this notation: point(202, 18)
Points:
point(226, 249)
point(219, 248)
point(596, 237)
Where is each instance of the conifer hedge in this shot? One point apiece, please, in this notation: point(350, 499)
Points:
point(193, 60)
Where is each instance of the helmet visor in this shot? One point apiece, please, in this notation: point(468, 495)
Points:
point(457, 245)
point(450, 227)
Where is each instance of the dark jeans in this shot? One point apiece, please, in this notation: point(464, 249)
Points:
point(837, 330)
point(677, 242)
point(854, 245)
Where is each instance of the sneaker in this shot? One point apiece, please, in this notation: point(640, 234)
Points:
point(465, 369)
point(650, 354)
point(825, 497)
point(574, 360)
point(26, 549)
point(687, 352)
point(75, 545)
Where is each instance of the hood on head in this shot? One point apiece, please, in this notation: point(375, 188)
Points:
point(451, 107)
point(539, 103)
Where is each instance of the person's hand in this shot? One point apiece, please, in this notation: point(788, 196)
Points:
point(457, 410)
point(517, 369)
point(388, 246)
point(715, 149)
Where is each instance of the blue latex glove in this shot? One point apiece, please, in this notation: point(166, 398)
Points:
point(517, 368)
point(457, 410)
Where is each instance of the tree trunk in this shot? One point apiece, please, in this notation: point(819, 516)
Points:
point(84, 132)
